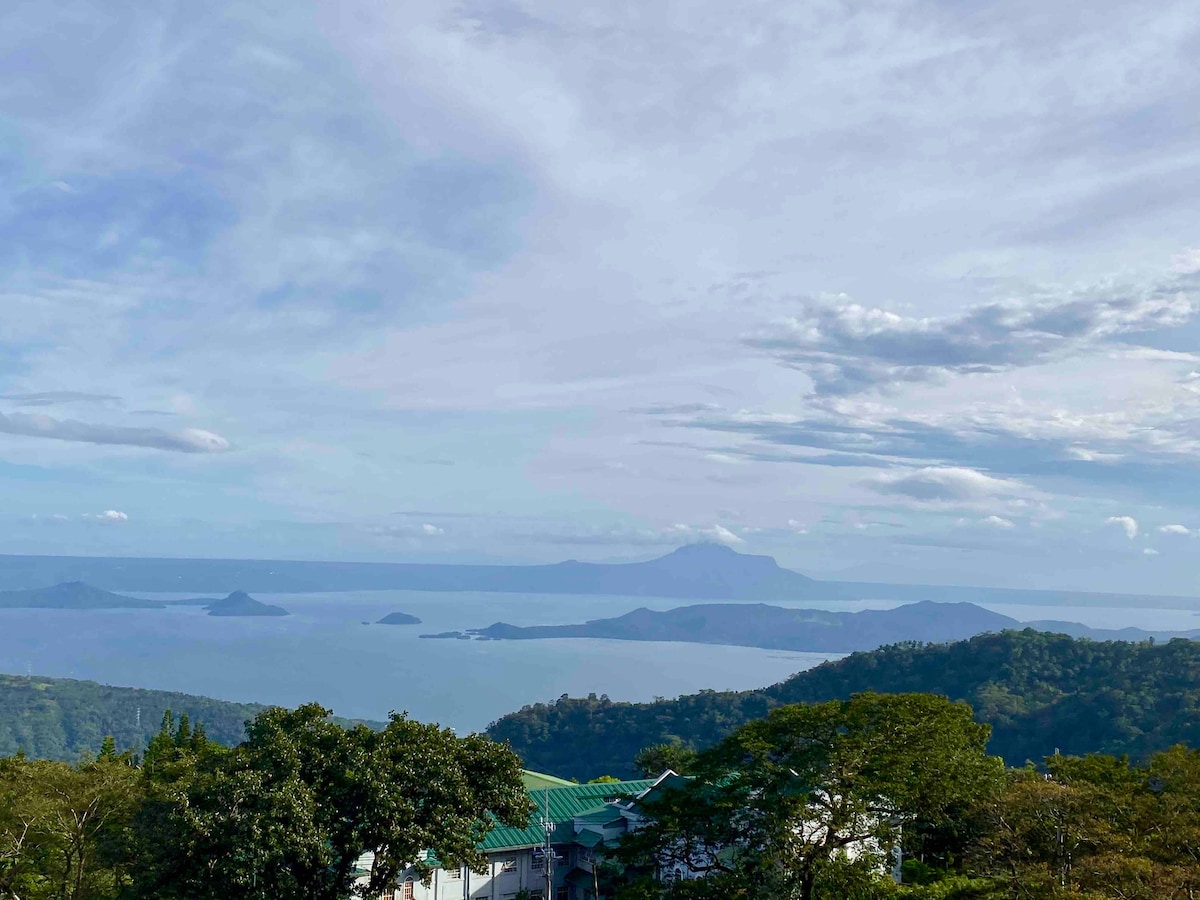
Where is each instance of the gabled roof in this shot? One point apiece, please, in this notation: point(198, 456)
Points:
point(564, 803)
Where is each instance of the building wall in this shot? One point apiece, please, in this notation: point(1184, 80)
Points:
point(495, 884)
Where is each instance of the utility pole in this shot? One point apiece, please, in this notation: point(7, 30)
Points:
point(548, 865)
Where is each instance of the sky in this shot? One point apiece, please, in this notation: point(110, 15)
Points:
point(888, 290)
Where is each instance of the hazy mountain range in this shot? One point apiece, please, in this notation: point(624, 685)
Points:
point(696, 572)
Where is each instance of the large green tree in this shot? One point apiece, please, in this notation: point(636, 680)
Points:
point(810, 801)
point(56, 824)
point(291, 811)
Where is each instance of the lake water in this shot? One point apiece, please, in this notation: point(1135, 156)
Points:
point(324, 652)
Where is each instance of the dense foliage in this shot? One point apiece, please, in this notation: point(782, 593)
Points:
point(792, 803)
point(60, 719)
point(812, 801)
point(63, 719)
point(1039, 692)
point(289, 812)
point(807, 803)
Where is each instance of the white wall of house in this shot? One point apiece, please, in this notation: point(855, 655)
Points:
point(508, 872)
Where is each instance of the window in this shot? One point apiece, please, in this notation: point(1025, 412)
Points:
point(509, 865)
point(562, 893)
point(408, 889)
point(454, 874)
point(677, 876)
point(537, 859)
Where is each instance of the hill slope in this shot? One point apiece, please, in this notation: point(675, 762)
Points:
point(59, 718)
point(776, 627)
point(1039, 692)
point(72, 595)
point(239, 604)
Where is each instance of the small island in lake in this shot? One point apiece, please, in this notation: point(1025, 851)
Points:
point(239, 603)
point(447, 636)
point(399, 618)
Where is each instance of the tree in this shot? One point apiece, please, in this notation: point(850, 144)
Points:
point(659, 758)
point(22, 817)
point(291, 811)
point(810, 801)
point(1097, 826)
point(55, 823)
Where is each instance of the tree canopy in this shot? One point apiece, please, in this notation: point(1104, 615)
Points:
point(289, 812)
point(816, 793)
point(1039, 692)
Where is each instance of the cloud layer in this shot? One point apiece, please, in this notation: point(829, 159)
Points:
point(846, 348)
point(860, 286)
point(189, 440)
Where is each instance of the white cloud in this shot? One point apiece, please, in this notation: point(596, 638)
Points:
point(109, 516)
point(1149, 551)
point(432, 529)
point(1174, 529)
point(846, 348)
point(1186, 262)
point(189, 440)
point(1083, 454)
point(998, 522)
point(946, 484)
point(718, 533)
point(1128, 523)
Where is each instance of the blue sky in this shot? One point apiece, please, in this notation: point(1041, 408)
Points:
point(901, 290)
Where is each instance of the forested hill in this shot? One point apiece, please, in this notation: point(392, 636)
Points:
point(58, 718)
point(1040, 692)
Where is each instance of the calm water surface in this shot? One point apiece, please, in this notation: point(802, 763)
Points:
point(325, 652)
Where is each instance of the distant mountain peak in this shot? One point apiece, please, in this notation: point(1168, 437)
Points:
point(713, 552)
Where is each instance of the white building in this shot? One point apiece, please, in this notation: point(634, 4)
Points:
point(582, 819)
point(579, 818)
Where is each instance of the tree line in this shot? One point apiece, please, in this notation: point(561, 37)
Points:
point(814, 801)
point(811, 802)
point(1038, 691)
point(288, 812)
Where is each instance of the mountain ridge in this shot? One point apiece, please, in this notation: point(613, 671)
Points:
point(693, 571)
point(809, 630)
point(73, 595)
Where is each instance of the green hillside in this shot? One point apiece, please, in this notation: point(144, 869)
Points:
point(57, 718)
point(1040, 692)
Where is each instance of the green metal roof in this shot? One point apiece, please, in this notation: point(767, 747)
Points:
point(565, 803)
point(588, 838)
point(535, 781)
point(601, 815)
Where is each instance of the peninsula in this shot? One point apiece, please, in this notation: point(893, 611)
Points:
point(810, 630)
point(72, 595)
